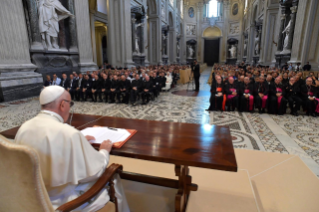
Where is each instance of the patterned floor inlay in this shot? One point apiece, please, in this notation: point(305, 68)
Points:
point(282, 134)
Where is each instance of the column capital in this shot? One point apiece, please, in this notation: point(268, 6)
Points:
point(293, 9)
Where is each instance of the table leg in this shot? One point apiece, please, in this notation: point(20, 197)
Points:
point(184, 187)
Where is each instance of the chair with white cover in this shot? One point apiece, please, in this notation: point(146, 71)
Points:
point(22, 187)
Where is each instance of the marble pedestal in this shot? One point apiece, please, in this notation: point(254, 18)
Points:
point(139, 60)
point(281, 59)
point(231, 61)
point(165, 60)
point(19, 84)
point(190, 60)
point(256, 59)
point(56, 62)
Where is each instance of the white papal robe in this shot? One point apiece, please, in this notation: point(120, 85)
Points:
point(69, 164)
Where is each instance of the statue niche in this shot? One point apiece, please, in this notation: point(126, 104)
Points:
point(50, 13)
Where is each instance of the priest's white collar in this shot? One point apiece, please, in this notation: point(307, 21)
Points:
point(51, 113)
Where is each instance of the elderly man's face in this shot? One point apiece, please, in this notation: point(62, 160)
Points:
point(64, 76)
point(292, 80)
point(309, 81)
point(261, 79)
point(219, 80)
point(231, 80)
point(246, 80)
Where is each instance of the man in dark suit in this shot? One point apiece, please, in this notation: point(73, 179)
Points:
point(72, 86)
point(196, 74)
point(65, 82)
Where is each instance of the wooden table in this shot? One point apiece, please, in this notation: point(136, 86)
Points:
point(181, 144)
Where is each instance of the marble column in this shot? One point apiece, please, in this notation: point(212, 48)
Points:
point(292, 26)
point(72, 28)
point(17, 77)
point(260, 33)
point(281, 35)
point(34, 25)
point(84, 36)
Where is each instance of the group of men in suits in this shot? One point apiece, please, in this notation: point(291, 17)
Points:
point(264, 92)
point(112, 88)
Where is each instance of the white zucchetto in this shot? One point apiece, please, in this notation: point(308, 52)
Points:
point(50, 93)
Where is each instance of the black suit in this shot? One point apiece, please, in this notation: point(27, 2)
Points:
point(126, 84)
point(196, 72)
point(65, 83)
point(147, 94)
point(80, 86)
point(134, 93)
point(73, 84)
point(105, 84)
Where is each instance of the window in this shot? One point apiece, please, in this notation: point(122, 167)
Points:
point(212, 8)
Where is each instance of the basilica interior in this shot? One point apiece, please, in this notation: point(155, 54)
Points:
point(276, 157)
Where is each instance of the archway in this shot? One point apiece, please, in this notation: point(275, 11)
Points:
point(212, 43)
point(100, 42)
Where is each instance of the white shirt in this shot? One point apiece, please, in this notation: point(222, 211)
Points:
point(69, 164)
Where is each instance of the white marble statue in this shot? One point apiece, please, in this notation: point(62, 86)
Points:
point(190, 51)
point(50, 13)
point(137, 42)
point(257, 44)
point(233, 51)
point(287, 31)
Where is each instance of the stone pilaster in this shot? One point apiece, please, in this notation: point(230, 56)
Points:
point(34, 25)
point(133, 20)
point(142, 43)
point(120, 32)
point(17, 76)
point(281, 36)
point(72, 28)
point(199, 20)
point(84, 36)
point(292, 26)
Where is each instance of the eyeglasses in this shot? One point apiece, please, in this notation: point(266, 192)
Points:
point(71, 102)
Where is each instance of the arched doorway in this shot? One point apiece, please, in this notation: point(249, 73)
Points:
point(211, 36)
point(101, 42)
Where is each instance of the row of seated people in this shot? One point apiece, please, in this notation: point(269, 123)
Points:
point(114, 88)
point(271, 95)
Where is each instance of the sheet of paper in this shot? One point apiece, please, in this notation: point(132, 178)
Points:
point(104, 133)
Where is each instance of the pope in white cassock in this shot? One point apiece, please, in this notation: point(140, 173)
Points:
point(69, 164)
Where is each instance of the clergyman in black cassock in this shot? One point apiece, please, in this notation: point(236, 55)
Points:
point(261, 94)
point(217, 95)
point(311, 102)
point(231, 90)
point(277, 100)
point(246, 101)
point(292, 93)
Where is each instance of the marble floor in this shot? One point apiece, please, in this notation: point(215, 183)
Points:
point(284, 134)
